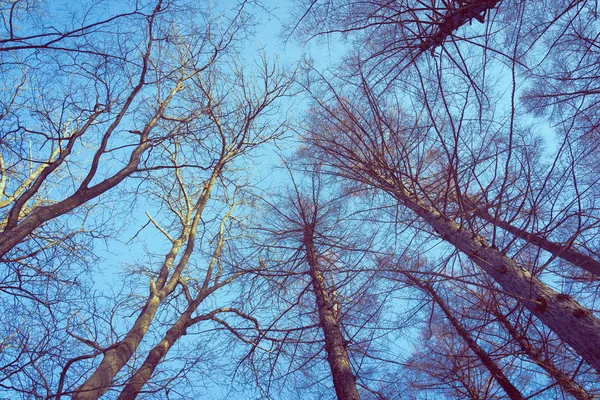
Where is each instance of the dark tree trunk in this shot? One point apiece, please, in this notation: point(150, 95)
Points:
point(335, 345)
point(565, 381)
point(565, 252)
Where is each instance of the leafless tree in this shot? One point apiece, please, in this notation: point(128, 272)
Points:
point(535, 350)
point(231, 125)
point(494, 369)
point(170, 109)
point(368, 141)
point(330, 317)
point(447, 134)
point(459, 87)
point(506, 336)
point(464, 133)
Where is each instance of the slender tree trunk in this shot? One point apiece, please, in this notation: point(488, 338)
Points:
point(569, 254)
point(144, 373)
point(512, 392)
point(565, 381)
point(116, 358)
point(574, 324)
point(335, 345)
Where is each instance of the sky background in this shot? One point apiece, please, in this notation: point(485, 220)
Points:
point(134, 239)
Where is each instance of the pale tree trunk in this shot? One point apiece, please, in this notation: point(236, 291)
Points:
point(335, 345)
point(120, 353)
point(136, 383)
point(564, 380)
point(117, 356)
point(574, 324)
point(512, 392)
point(144, 373)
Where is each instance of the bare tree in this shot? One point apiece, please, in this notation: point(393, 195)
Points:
point(64, 114)
point(158, 101)
point(460, 86)
point(462, 344)
point(326, 301)
point(24, 26)
point(27, 207)
point(436, 134)
point(444, 366)
point(493, 368)
point(464, 132)
point(323, 291)
point(393, 34)
point(372, 145)
point(232, 127)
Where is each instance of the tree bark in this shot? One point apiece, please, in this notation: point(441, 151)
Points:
point(115, 358)
point(335, 345)
point(574, 324)
point(135, 384)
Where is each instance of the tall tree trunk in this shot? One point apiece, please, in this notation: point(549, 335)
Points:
point(115, 358)
point(512, 392)
point(574, 324)
point(335, 345)
point(119, 354)
point(144, 373)
point(136, 383)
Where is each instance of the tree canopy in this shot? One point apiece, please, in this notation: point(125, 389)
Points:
point(407, 207)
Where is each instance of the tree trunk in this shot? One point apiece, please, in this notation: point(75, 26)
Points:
point(335, 345)
point(568, 384)
point(512, 392)
point(569, 254)
point(574, 324)
point(135, 384)
point(115, 358)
